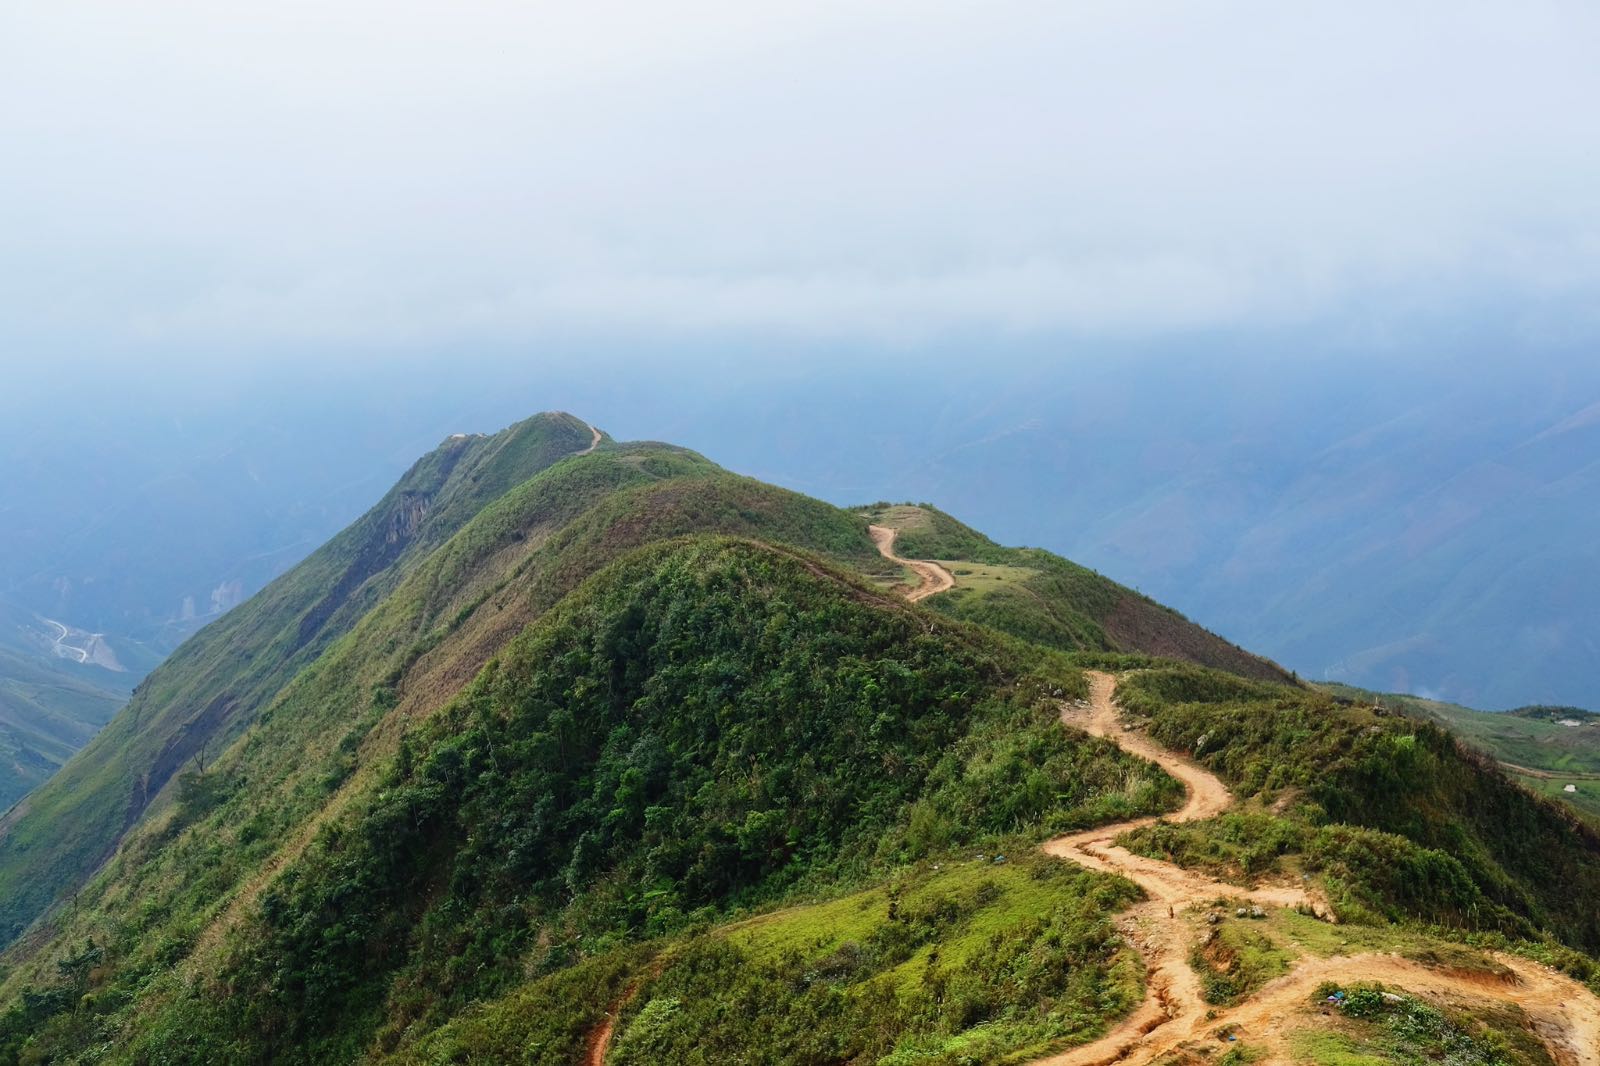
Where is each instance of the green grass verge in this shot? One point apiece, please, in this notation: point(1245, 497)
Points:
point(971, 962)
point(1376, 1026)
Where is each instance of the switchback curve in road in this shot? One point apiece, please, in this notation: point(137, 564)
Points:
point(931, 577)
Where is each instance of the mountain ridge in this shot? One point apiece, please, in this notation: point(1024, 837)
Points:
point(289, 621)
point(570, 706)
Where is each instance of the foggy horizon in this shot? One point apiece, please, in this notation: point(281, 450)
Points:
point(354, 179)
point(1128, 281)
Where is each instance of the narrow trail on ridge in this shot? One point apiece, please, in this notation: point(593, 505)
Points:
point(592, 444)
point(1563, 1014)
point(1174, 1004)
point(931, 577)
point(599, 1042)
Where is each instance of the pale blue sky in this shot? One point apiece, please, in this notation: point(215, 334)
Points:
point(347, 176)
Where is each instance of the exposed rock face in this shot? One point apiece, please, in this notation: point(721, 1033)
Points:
point(407, 518)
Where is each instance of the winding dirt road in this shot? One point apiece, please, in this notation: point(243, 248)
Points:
point(592, 444)
point(1174, 1003)
point(64, 650)
point(1562, 1013)
point(931, 577)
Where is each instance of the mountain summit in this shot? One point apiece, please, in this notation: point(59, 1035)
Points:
point(574, 750)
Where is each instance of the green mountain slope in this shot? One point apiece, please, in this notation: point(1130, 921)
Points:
point(549, 735)
point(1044, 598)
point(46, 714)
point(1550, 750)
point(212, 687)
point(630, 763)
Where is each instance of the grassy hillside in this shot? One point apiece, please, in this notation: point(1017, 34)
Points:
point(462, 603)
point(213, 687)
point(1401, 819)
point(1041, 597)
point(1546, 749)
point(46, 714)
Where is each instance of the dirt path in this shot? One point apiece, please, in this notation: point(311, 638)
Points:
point(1157, 926)
point(1551, 775)
point(600, 1041)
point(931, 577)
point(1565, 1016)
point(592, 444)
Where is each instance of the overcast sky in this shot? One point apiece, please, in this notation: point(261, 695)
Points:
point(346, 175)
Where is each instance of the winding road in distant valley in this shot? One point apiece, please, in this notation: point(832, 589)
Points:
point(62, 648)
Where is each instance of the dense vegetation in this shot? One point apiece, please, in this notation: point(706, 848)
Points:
point(547, 736)
point(629, 768)
point(1401, 818)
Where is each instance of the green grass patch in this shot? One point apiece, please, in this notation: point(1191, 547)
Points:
point(971, 962)
point(1325, 1048)
point(1236, 958)
point(960, 905)
point(1585, 794)
point(1376, 1026)
point(982, 578)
